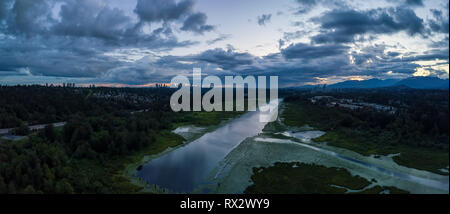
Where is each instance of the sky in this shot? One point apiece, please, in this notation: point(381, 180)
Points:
point(142, 42)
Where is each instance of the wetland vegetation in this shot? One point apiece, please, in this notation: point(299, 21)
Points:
point(300, 178)
point(418, 132)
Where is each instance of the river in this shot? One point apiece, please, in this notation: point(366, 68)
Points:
point(186, 168)
point(193, 165)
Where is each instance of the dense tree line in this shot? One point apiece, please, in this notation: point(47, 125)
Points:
point(47, 162)
point(421, 119)
point(39, 105)
point(79, 157)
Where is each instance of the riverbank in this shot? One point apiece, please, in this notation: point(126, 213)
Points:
point(181, 135)
point(282, 143)
point(198, 127)
point(274, 145)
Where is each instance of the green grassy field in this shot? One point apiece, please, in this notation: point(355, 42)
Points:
point(204, 118)
point(300, 178)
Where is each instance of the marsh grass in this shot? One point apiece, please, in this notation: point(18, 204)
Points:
point(300, 178)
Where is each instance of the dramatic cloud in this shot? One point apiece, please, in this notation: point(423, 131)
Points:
point(28, 17)
point(3, 9)
point(263, 19)
point(58, 58)
point(79, 19)
point(226, 59)
point(304, 51)
point(342, 26)
point(69, 38)
point(196, 23)
point(414, 2)
point(145, 41)
point(170, 10)
point(163, 10)
point(440, 23)
point(87, 18)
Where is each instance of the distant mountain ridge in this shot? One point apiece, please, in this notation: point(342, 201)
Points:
point(412, 82)
point(371, 83)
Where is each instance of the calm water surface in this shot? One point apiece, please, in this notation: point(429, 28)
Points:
point(186, 168)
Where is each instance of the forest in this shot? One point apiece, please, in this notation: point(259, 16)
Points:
point(418, 129)
point(38, 105)
point(101, 135)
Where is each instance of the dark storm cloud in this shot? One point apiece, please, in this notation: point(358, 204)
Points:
point(263, 19)
point(3, 8)
point(74, 43)
point(144, 71)
point(295, 71)
point(166, 67)
point(85, 18)
point(93, 19)
point(88, 19)
point(170, 10)
point(414, 2)
point(393, 54)
point(440, 23)
point(226, 59)
point(197, 23)
point(163, 10)
point(81, 40)
point(300, 63)
point(341, 26)
point(305, 51)
point(28, 17)
point(295, 65)
point(58, 58)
